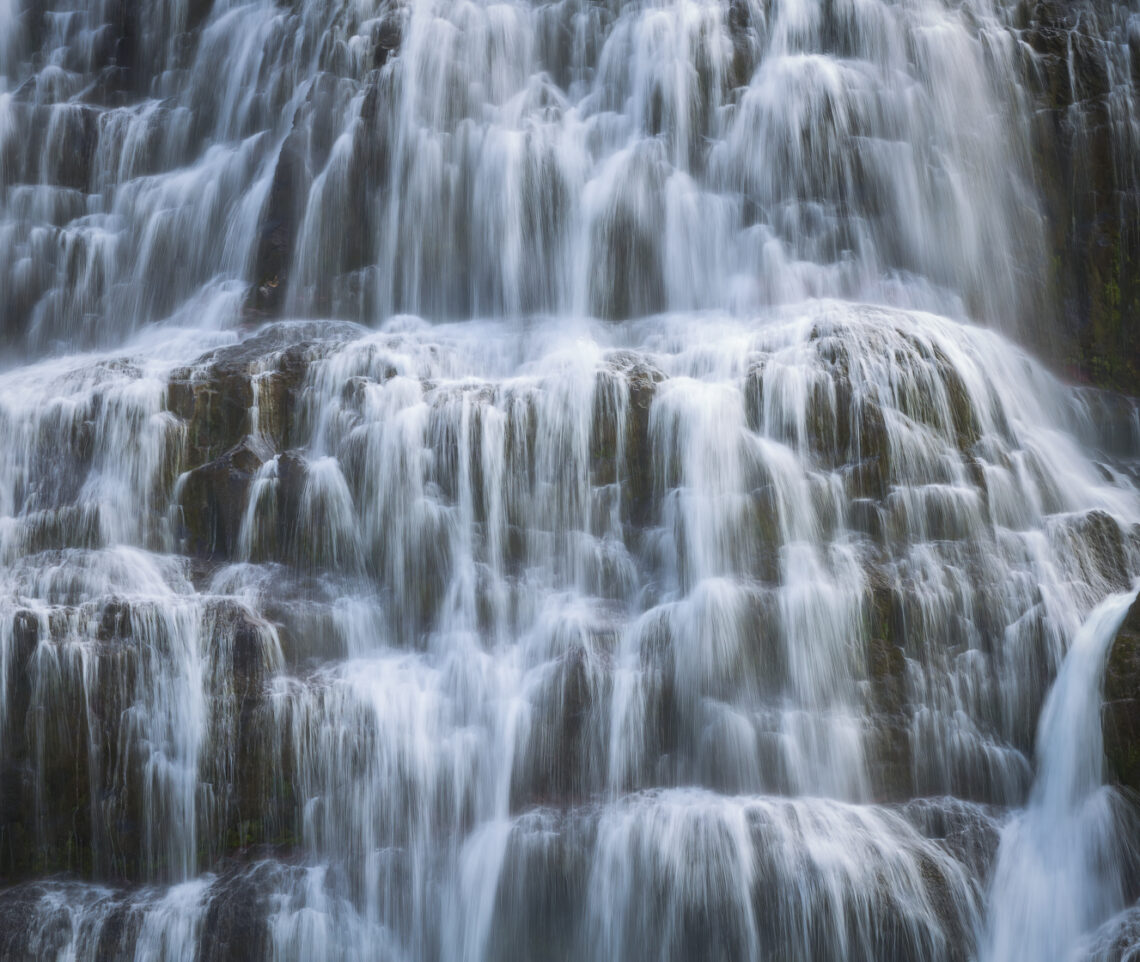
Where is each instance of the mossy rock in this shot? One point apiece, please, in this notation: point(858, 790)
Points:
point(216, 396)
point(1107, 547)
point(635, 472)
point(213, 499)
point(1120, 716)
point(215, 409)
point(1090, 190)
point(888, 744)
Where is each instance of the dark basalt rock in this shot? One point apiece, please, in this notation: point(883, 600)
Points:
point(22, 925)
point(37, 920)
point(119, 933)
point(213, 499)
point(1112, 422)
point(1121, 713)
point(969, 832)
point(196, 13)
point(1106, 546)
point(115, 621)
point(218, 398)
point(215, 406)
point(556, 768)
point(742, 30)
point(73, 139)
point(278, 229)
point(236, 920)
point(254, 757)
point(1089, 181)
point(16, 828)
point(626, 270)
point(620, 445)
point(215, 396)
point(387, 33)
point(889, 762)
point(292, 470)
point(72, 781)
point(642, 379)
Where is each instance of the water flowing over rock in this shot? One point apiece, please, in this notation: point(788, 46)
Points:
point(501, 481)
point(1059, 871)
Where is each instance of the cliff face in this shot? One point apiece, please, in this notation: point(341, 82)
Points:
point(1083, 75)
point(508, 480)
point(1121, 715)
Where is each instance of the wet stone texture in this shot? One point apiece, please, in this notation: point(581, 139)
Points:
point(500, 481)
point(1086, 158)
point(688, 650)
point(1121, 714)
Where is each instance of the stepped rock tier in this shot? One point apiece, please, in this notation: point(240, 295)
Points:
point(588, 480)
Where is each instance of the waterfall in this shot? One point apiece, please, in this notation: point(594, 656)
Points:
point(1059, 870)
point(488, 480)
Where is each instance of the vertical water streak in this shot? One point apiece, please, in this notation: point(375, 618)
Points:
point(1060, 865)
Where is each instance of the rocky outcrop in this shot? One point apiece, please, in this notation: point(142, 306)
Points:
point(213, 498)
point(277, 231)
point(46, 919)
point(77, 766)
point(890, 762)
point(240, 405)
point(1088, 169)
point(1121, 713)
point(620, 445)
point(236, 917)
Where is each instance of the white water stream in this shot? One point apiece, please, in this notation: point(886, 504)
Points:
point(658, 547)
point(1060, 866)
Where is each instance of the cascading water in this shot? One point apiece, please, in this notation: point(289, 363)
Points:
point(645, 554)
point(1059, 867)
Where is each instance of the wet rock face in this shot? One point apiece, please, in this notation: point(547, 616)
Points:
point(213, 499)
point(96, 96)
point(766, 594)
point(236, 920)
point(706, 635)
point(227, 390)
point(215, 408)
point(77, 769)
point(1121, 713)
point(1086, 164)
point(316, 242)
point(277, 231)
point(889, 754)
point(240, 406)
point(16, 821)
point(620, 442)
